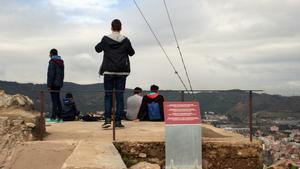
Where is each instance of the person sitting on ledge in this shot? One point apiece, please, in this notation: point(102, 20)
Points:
point(152, 106)
point(70, 112)
point(134, 104)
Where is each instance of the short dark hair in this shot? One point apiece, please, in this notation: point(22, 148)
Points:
point(116, 25)
point(137, 90)
point(154, 88)
point(53, 52)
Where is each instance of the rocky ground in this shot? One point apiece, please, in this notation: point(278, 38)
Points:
point(283, 164)
point(136, 152)
point(215, 155)
point(18, 123)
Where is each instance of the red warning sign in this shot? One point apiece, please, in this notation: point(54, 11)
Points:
point(182, 112)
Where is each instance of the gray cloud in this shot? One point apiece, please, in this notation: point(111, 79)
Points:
point(226, 44)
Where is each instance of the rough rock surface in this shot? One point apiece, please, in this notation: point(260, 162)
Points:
point(145, 165)
point(136, 152)
point(282, 164)
point(15, 101)
point(232, 155)
point(215, 154)
point(18, 123)
point(17, 107)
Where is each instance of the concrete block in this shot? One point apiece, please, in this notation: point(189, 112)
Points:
point(94, 155)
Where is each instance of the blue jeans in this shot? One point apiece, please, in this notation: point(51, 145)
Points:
point(56, 103)
point(118, 83)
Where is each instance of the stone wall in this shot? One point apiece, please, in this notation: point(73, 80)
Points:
point(12, 133)
point(216, 155)
point(18, 123)
point(233, 155)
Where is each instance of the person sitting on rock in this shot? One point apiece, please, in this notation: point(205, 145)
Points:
point(152, 106)
point(70, 112)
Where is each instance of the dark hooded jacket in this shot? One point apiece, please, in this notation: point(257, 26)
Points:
point(115, 58)
point(143, 114)
point(69, 109)
point(55, 75)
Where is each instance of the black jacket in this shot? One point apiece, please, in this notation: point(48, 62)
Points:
point(143, 113)
point(55, 75)
point(116, 54)
point(69, 108)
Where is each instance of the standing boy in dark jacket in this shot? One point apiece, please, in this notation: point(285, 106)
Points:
point(55, 80)
point(115, 68)
point(152, 106)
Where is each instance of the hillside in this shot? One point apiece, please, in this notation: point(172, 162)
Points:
point(233, 103)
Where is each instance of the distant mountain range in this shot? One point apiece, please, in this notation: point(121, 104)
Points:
point(233, 103)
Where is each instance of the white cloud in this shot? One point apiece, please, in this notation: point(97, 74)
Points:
point(71, 5)
point(83, 11)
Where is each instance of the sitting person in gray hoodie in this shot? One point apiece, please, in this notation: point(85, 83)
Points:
point(134, 103)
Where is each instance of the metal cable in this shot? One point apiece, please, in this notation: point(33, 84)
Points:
point(178, 47)
point(162, 48)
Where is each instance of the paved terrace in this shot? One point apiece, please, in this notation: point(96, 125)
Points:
point(133, 131)
point(93, 148)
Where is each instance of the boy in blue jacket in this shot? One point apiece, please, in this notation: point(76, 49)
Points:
point(55, 80)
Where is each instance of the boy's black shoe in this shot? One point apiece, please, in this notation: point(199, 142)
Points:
point(119, 124)
point(107, 123)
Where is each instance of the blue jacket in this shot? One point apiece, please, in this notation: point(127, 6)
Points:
point(55, 75)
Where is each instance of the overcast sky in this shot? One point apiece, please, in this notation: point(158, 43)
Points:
point(232, 44)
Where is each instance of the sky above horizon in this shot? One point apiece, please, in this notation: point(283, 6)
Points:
point(233, 44)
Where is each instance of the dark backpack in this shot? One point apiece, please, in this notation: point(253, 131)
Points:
point(90, 117)
point(154, 111)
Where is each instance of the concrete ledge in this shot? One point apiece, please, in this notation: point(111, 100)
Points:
point(41, 155)
point(94, 155)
